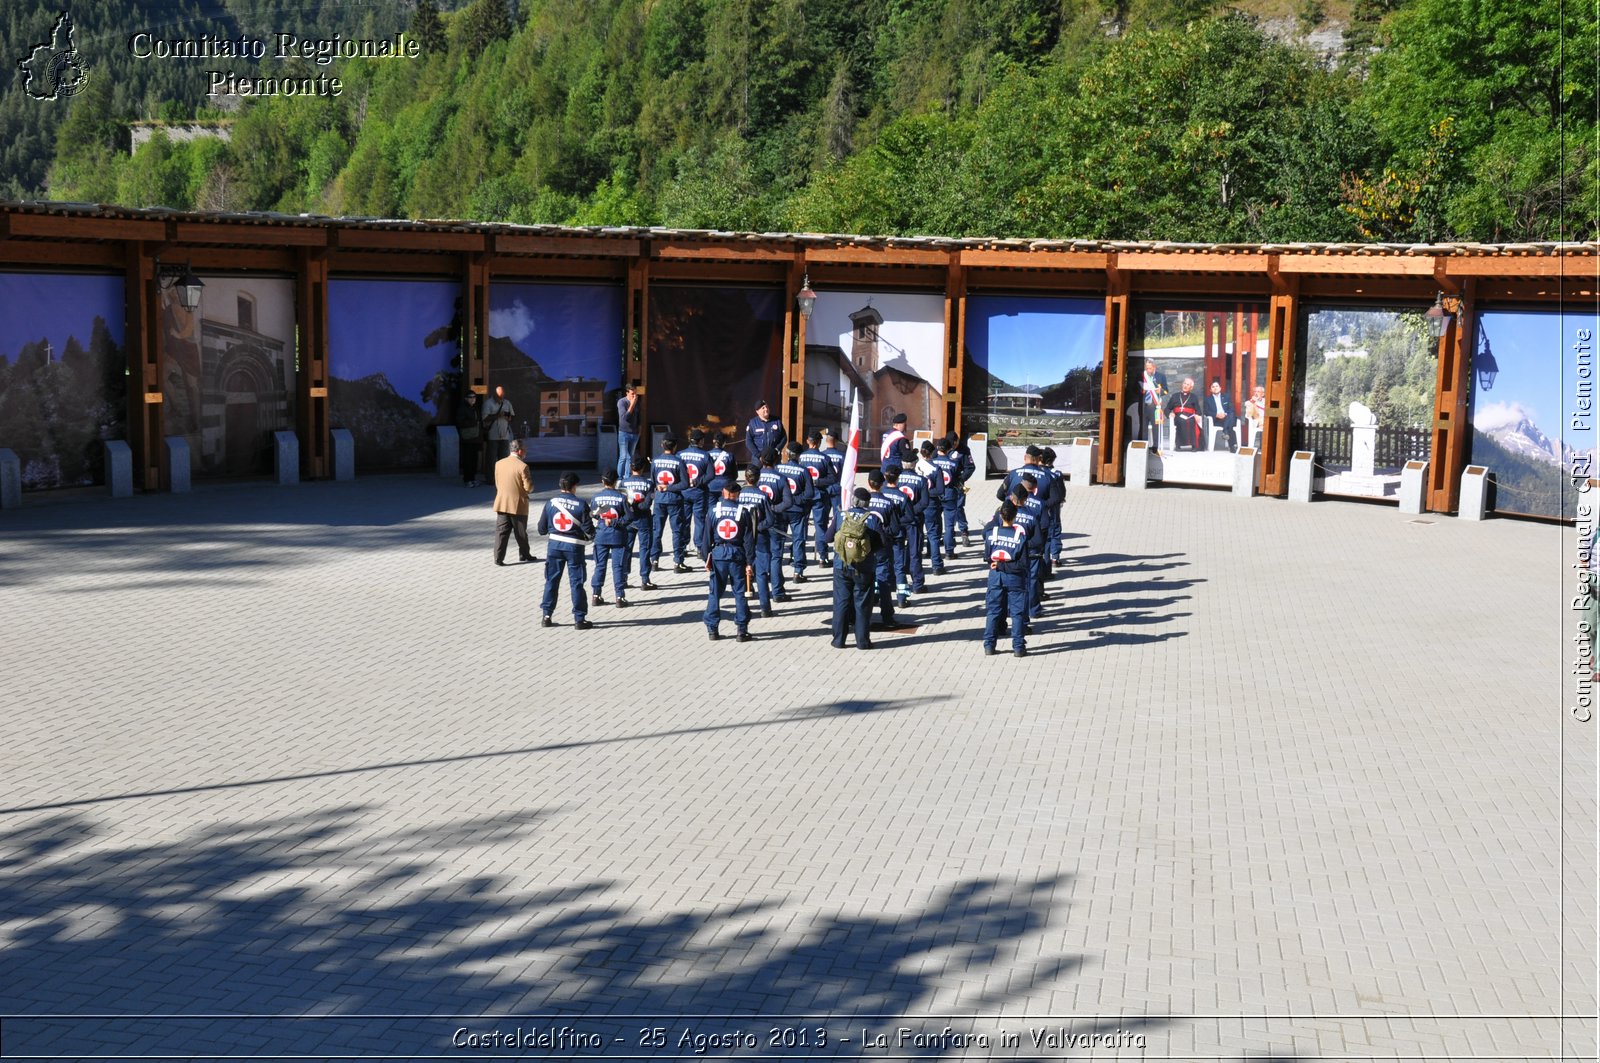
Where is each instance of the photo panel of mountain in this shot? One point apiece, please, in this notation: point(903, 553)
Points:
point(230, 371)
point(1365, 381)
point(63, 375)
point(393, 366)
point(1032, 373)
point(557, 350)
point(885, 347)
point(714, 354)
point(1175, 356)
point(1526, 384)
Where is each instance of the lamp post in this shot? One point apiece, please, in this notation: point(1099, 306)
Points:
point(805, 299)
point(183, 279)
point(1441, 313)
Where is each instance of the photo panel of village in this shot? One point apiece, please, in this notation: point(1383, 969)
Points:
point(1523, 377)
point(63, 375)
point(886, 348)
point(557, 351)
point(1033, 373)
point(393, 359)
point(714, 354)
point(1196, 387)
point(230, 371)
point(1365, 383)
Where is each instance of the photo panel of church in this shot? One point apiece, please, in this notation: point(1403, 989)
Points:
point(394, 366)
point(63, 375)
point(714, 354)
point(557, 350)
point(1525, 392)
point(1365, 380)
point(1032, 373)
point(230, 371)
point(887, 348)
point(1196, 387)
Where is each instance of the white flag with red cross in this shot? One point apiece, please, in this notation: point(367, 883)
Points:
point(852, 454)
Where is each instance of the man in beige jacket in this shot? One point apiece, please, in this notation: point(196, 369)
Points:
point(512, 485)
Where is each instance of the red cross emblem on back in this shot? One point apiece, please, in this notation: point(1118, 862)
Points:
point(721, 466)
point(689, 468)
point(812, 469)
point(562, 521)
point(665, 478)
point(727, 529)
point(910, 493)
point(1001, 554)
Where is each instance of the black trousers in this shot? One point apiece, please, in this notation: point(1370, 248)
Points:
point(505, 526)
point(468, 453)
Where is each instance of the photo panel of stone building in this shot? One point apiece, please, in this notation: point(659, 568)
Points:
point(885, 347)
point(1365, 380)
point(1529, 378)
point(393, 366)
point(557, 351)
point(714, 354)
point(1033, 372)
point(230, 371)
point(1175, 354)
point(63, 375)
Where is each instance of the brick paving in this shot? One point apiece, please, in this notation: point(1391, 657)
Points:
point(1277, 781)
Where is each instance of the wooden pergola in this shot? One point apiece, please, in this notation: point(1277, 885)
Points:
point(83, 237)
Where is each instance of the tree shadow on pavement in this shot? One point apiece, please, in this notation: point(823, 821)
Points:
point(309, 935)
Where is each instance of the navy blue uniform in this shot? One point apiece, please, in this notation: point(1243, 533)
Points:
point(933, 515)
point(670, 479)
point(732, 535)
point(760, 436)
point(780, 500)
point(1031, 518)
point(950, 503)
point(802, 494)
point(825, 484)
point(696, 471)
point(915, 490)
point(969, 469)
point(888, 504)
point(641, 492)
point(611, 510)
point(569, 525)
point(754, 501)
point(854, 585)
point(722, 462)
point(1004, 550)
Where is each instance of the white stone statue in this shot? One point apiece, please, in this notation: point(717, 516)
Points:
point(1361, 417)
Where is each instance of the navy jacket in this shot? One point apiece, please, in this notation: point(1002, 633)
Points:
point(754, 501)
point(824, 477)
point(760, 435)
point(566, 519)
point(1008, 547)
point(696, 464)
point(611, 511)
point(775, 486)
point(670, 478)
point(799, 480)
point(733, 532)
point(641, 492)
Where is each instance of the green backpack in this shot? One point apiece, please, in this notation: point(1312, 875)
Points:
point(850, 542)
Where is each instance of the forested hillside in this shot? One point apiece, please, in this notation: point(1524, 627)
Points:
point(1127, 119)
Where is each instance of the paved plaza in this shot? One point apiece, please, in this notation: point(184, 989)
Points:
point(294, 771)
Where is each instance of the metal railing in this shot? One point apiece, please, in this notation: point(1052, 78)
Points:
point(1334, 444)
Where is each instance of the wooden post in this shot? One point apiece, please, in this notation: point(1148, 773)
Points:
point(1281, 337)
point(1113, 374)
point(792, 406)
point(312, 409)
point(475, 321)
point(636, 332)
point(955, 345)
point(142, 332)
point(1450, 427)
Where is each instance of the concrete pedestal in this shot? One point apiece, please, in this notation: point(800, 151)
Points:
point(979, 445)
point(1302, 473)
point(1244, 472)
point(1082, 457)
point(1475, 482)
point(119, 469)
point(447, 451)
point(179, 467)
point(1363, 450)
point(1137, 476)
point(606, 455)
point(10, 479)
point(344, 453)
point(285, 458)
point(1413, 482)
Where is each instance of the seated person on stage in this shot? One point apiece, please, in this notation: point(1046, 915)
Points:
point(1184, 406)
point(1220, 409)
point(1256, 411)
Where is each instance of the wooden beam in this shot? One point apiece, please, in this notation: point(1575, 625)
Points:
point(475, 321)
point(1508, 266)
point(1282, 326)
point(638, 337)
point(1063, 282)
point(404, 240)
point(103, 256)
point(728, 272)
point(886, 256)
point(142, 340)
point(279, 260)
point(955, 329)
point(559, 268)
point(1381, 265)
point(1113, 377)
point(793, 364)
point(312, 407)
point(68, 227)
point(916, 278)
point(1453, 389)
point(1051, 260)
point(719, 252)
point(513, 244)
point(1192, 261)
point(393, 262)
point(189, 232)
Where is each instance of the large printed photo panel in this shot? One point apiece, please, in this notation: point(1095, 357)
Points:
point(63, 375)
point(887, 348)
point(1364, 395)
point(1176, 355)
point(1033, 373)
point(557, 351)
point(714, 354)
point(1533, 375)
point(230, 371)
point(394, 366)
